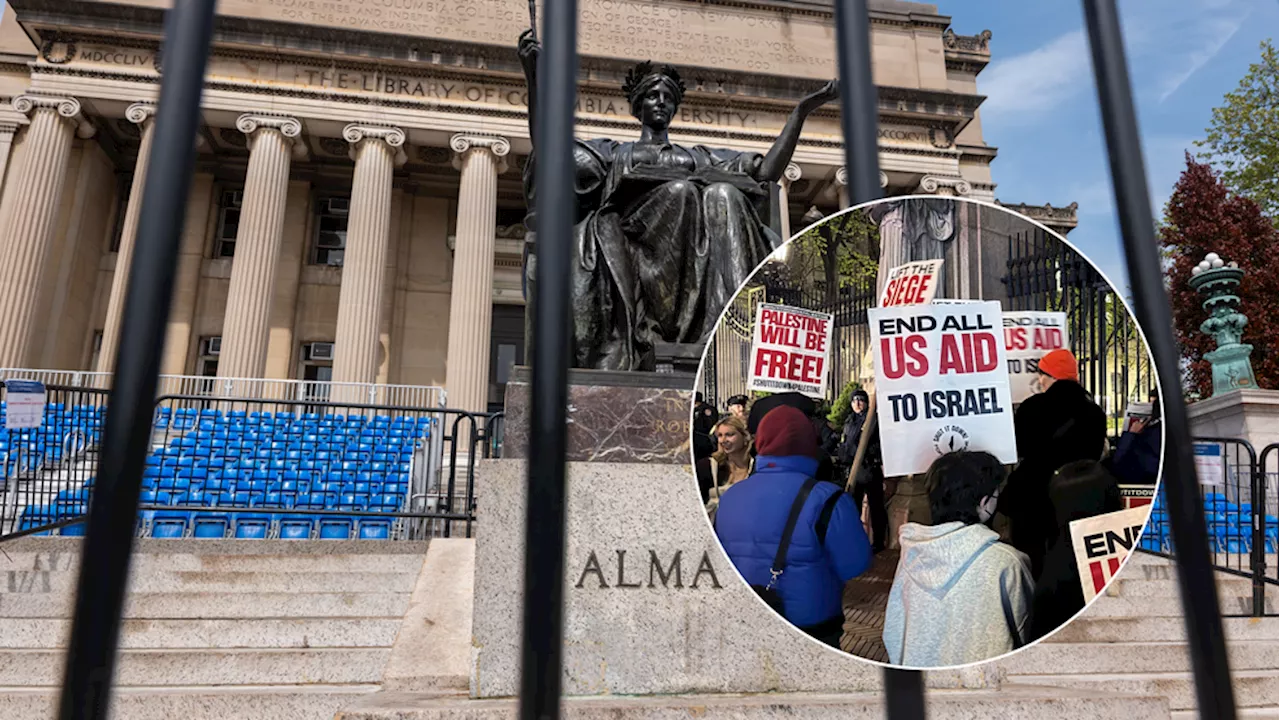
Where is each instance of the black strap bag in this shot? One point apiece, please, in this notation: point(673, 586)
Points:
point(767, 592)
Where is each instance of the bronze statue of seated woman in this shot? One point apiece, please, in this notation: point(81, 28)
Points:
point(665, 233)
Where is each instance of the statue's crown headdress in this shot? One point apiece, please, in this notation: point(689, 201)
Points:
point(638, 78)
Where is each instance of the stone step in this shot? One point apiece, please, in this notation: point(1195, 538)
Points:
point(328, 666)
point(1108, 606)
point(40, 582)
point(1163, 582)
point(238, 633)
point(198, 605)
point(1025, 703)
point(1253, 688)
point(188, 562)
point(301, 702)
point(1156, 629)
point(1093, 658)
point(1271, 713)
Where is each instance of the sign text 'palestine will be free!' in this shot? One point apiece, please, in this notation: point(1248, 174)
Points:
point(790, 350)
point(943, 383)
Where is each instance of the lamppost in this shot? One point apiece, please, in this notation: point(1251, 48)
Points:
point(1217, 281)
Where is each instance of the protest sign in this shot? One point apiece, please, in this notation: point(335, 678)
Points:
point(1101, 544)
point(1134, 412)
point(1028, 335)
point(1137, 495)
point(790, 350)
point(25, 404)
point(1209, 467)
point(941, 384)
point(912, 284)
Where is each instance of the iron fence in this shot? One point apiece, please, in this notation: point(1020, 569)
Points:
point(424, 396)
point(1044, 273)
point(1240, 521)
point(188, 33)
point(253, 468)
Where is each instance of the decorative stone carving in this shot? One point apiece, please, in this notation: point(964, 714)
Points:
point(234, 137)
point(463, 143)
point(335, 146)
point(289, 127)
point(792, 173)
point(58, 52)
point(980, 43)
point(434, 155)
point(939, 185)
point(67, 107)
point(356, 133)
point(140, 113)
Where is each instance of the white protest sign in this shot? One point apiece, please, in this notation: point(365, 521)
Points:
point(912, 284)
point(24, 404)
point(790, 350)
point(1135, 412)
point(1209, 467)
point(1101, 544)
point(941, 384)
point(1028, 335)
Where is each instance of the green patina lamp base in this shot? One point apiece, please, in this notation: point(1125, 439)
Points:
point(1231, 368)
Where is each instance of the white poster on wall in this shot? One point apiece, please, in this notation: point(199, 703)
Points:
point(941, 384)
point(790, 350)
point(1028, 335)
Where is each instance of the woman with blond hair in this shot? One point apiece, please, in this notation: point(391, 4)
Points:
point(729, 464)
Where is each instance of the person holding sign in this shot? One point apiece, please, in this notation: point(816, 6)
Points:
point(1058, 425)
point(1078, 490)
point(870, 480)
point(959, 595)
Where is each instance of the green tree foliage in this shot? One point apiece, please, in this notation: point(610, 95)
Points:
point(1241, 141)
point(841, 252)
point(841, 408)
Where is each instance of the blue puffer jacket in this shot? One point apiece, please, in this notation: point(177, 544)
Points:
point(750, 521)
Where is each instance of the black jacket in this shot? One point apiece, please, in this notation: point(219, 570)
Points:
point(1061, 425)
point(1058, 595)
point(704, 421)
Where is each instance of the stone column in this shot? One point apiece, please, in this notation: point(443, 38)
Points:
point(376, 151)
point(246, 326)
point(29, 214)
point(790, 175)
point(143, 116)
point(7, 132)
point(842, 187)
point(480, 159)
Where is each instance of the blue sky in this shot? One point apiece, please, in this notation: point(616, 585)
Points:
point(1042, 112)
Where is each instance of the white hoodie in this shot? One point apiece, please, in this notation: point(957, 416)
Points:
point(958, 596)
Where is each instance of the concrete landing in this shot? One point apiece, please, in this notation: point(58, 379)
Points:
point(1027, 703)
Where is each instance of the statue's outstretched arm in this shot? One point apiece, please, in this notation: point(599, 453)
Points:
point(775, 162)
point(528, 48)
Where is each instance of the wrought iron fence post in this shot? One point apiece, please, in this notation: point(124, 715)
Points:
point(104, 565)
point(1124, 149)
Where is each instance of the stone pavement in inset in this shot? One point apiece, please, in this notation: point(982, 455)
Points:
point(865, 598)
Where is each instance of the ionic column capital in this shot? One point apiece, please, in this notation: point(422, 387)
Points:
point(938, 185)
point(67, 107)
point(462, 143)
point(842, 177)
point(356, 133)
point(289, 127)
point(792, 173)
point(141, 114)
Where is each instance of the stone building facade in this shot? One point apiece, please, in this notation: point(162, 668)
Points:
point(356, 210)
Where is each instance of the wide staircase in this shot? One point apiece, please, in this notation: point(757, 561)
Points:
point(1132, 641)
point(214, 628)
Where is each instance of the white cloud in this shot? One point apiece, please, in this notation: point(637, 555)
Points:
point(1023, 86)
point(1208, 37)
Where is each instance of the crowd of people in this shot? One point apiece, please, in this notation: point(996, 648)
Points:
point(987, 568)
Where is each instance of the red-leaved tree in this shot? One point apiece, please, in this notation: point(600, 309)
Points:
point(1202, 217)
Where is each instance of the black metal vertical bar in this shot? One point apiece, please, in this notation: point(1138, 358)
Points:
point(550, 349)
point(859, 118)
point(1195, 573)
point(104, 563)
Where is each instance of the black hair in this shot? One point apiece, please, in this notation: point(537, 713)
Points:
point(737, 400)
point(1083, 489)
point(697, 397)
point(958, 481)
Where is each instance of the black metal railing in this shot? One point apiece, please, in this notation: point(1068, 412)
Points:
point(253, 468)
point(1241, 524)
point(1043, 273)
point(189, 26)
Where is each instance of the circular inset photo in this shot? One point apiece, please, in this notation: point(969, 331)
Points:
point(928, 431)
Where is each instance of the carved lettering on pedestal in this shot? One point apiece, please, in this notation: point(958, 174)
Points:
point(669, 574)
